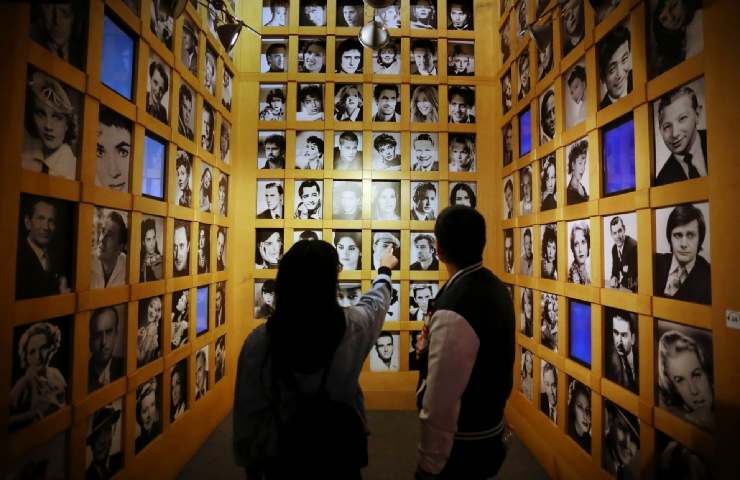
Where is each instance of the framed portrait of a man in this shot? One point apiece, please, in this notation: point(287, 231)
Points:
point(420, 294)
point(384, 356)
point(347, 200)
point(201, 373)
point(424, 152)
point(460, 15)
point(386, 102)
point(107, 332)
point(348, 150)
point(574, 100)
point(423, 59)
point(40, 372)
point(526, 258)
point(547, 116)
point(620, 251)
point(221, 237)
point(507, 211)
point(274, 55)
point(270, 150)
point(549, 390)
point(386, 60)
point(181, 253)
point(387, 151)
point(382, 240)
point(308, 199)
point(460, 58)
point(104, 441)
point(61, 28)
point(309, 150)
point(461, 104)
point(178, 390)
point(203, 255)
point(621, 348)
point(109, 252)
point(508, 250)
point(424, 200)
point(507, 141)
point(148, 412)
point(312, 13)
point(207, 127)
point(506, 91)
point(350, 13)
point(348, 56)
point(621, 451)
point(158, 88)
point(423, 252)
point(614, 54)
point(579, 252)
point(390, 16)
point(189, 46)
point(525, 190)
point(272, 101)
point(424, 14)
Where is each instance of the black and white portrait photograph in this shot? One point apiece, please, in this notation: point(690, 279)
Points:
point(203, 255)
point(463, 193)
point(61, 28)
point(417, 345)
point(579, 414)
point(181, 252)
point(521, 17)
point(201, 373)
point(425, 152)
point(178, 389)
point(275, 13)
point(149, 333)
point(508, 198)
point(423, 59)
point(158, 89)
point(621, 343)
point(574, 85)
point(549, 321)
point(620, 251)
point(103, 442)
point(107, 346)
point(386, 200)
point(42, 354)
point(675, 460)
point(299, 235)
point(548, 183)
point(526, 315)
point(161, 23)
point(349, 248)
point(148, 412)
point(180, 318)
point(675, 32)
point(222, 207)
point(206, 187)
point(461, 58)
point(386, 60)
point(384, 356)
point(309, 150)
point(186, 112)
point(348, 294)
point(220, 304)
point(424, 200)
point(390, 16)
point(460, 15)
point(311, 55)
point(264, 298)
point(386, 102)
point(549, 390)
point(579, 252)
point(350, 13)
point(509, 250)
point(151, 257)
point(270, 199)
point(312, 13)
point(269, 248)
point(525, 190)
point(526, 374)
point(547, 116)
point(505, 35)
point(184, 178)
point(270, 150)
point(348, 150)
point(542, 35)
point(461, 152)
point(394, 310)
point(526, 259)
point(549, 251)
point(53, 123)
point(274, 55)
point(423, 254)
point(614, 53)
point(573, 24)
point(348, 102)
point(461, 104)
point(109, 252)
point(219, 352)
point(680, 129)
point(113, 151)
point(207, 127)
point(507, 135)
point(272, 101)
point(524, 84)
point(227, 89)
point(506, 90)
point(685, 383)
point(310, 102)
point(209, 78)
point(45, 263)
point(348, 56)
point(621, 457)
point(347, 200)
point(189, 46)
point(387, 151)
point(307, 203)
point(682, 260)
point(221, 236)
point(420, 294)
point(424, 14)
point(424, 104)
point(576, 158)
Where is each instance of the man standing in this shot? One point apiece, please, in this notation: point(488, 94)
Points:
point(159, 84)
point(624, 257)
point(108, 268)
point(622, 363)
point(103, 366)
point(273, 201)
point(425, 253)
point(471, 358)
point(525, 266)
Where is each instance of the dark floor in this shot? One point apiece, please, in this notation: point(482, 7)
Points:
point(392, 452)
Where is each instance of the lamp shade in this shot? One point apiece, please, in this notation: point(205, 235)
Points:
point(379, 3)
point(174, 7)
point(228, 33)
point(374, 35)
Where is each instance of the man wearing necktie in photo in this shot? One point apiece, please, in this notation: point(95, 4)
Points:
point(622, 364)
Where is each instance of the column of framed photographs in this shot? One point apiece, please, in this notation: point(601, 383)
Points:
point(363, 149)
point(604, 149)
point(121, 285)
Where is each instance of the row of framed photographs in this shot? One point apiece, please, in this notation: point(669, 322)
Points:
point(423, 14)
point(424, 56)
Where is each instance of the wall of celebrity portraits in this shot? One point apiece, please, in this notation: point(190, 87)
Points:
point(681, 232)
point(53, 138)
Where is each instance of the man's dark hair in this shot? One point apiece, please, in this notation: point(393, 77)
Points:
point(29, 210)
point(275, 185)
point(116, 218)
point(424, 44)
point(526, 171)
point(185, 93)
point(272, 49)
point(509, 235)
point(378, 89)
point(156, 66)
point(461, 235)
point(615, 221)
point(275, 93)
point(268, 286)
point(577, 73)
point(348, 136)
point(624, 315)
point(311, 89)
point(467, 94)
point(277, 140)
point(429, 239)
point(671, 97)
point(344, 47)
point(425, 137)
point(316, 141)
point(421, 190)
point(308, 235)
point(384, 139)
point(308, 184)
point(527, 233)
point(185, 225)
point(682, 215)
point(384, 334)
point(611, 42)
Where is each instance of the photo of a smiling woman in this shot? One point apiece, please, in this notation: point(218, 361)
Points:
point(349, 248)
point(311, 56)
point(425, 104)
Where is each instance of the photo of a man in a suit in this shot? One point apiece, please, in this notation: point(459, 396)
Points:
point(620, 344)
point(615, 65)
point(105, 330)
point(678, 121)
point(273, 193)
point(683, 274)
point(624, 257)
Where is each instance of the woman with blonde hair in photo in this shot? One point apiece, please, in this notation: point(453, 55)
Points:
point(425, 104)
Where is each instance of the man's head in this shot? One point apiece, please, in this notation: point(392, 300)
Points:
point(348, 144)
point(424, 151)
point(310, 194)
point(623, 332)
point(275, 55)
point(349, 56)
point(113, 151)
point(425, 247)
point(201, 371)
point(685, 231)
point(623, 436)
point(113, 238)
point(580, 242)
point(386, 97)
point(550, 384)
point(159, 82)
point(352, 13)
point(221, 244)
point(310, 99)
point(523, 63)
point(40, 221)
point(527, 242)
point(57, 21)
point(547, 113)
point(678, 117)
point(525, 184)
point(274, 197)
point(422, 52)
point(508, 249)
point(182, 246)
point(103, 335)
point(384, 346)
point(577, 83)
point(274, 147)
point(461, 236)
point(186, 105)
point(176, 390)
point(509, 193)
point(615, 61)
point(381, 242)
point(459, 12)
point(461, 59)
point(617, 230)
point(461, 101)
point(385, 145)
point(425, 198)
point(207, 124)
point(219, 300)
point(422, 294)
